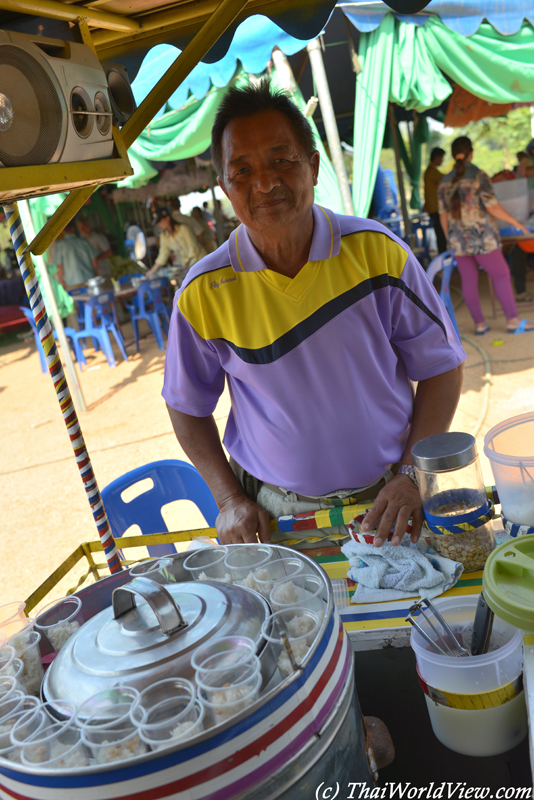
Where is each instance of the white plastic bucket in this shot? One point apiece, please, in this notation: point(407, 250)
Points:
point(476, 731)
point(510, 449)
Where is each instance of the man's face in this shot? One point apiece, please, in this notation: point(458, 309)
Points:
point(438, 161)
point(165, 224)
point(84, 229)
point(266, 174)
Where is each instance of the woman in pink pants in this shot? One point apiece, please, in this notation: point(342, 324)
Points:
point(468, 208)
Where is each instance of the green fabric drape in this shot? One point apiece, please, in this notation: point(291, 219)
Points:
point(402, 62)
point(371, 110)
point(413, 161)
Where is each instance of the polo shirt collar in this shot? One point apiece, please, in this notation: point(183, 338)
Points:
point(326, 242)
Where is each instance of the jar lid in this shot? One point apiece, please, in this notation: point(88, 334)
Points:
point(444, 451)
point(508, 582)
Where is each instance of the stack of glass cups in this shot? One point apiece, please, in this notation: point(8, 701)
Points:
point(38, 726)
point(207, 564)
point(291, 634)
point(243, 561)
point(59, 620)
point(10, 612)
point(58, 747)
point(229, 691)
point(275, 572)
point(308, 591)
point(157, 569)
point(107, 729)
point(10, 712)
point(454, 498)
point(168, 713)
point(25, 641)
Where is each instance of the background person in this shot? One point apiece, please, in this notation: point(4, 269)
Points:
point(468, 211)
point(176, 239)
point(100, 243)
point(208, 239)
point(75, 258)
point(432, 178)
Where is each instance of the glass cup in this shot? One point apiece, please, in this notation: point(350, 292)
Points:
point(157, 569)
point(17, 630)
point(290, 634)
point(27, 648)
point(15, 670)
point(59, 620)
point(304, 590)
point(61, 748)
point(244, 559)
point(13, 703)
point(177, 693)
point(36, 722)
point(111, 707)
point(173, 730)
point(2, 640)
point(228, 692)
point(8, 685)
point(220, 654)
point(7, 654)
point(7, 723)
point(113, 743)
point(208, 564)
point(276, 571)
point(10, 612)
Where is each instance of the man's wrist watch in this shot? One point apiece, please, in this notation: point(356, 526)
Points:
point(409, 470)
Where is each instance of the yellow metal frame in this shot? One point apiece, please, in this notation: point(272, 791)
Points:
point(97, 571)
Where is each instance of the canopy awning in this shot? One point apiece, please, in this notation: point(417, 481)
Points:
point(461, 16)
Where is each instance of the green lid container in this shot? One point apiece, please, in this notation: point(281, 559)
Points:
point(508, 582)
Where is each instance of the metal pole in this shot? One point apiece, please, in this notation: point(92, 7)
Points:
point(216, 210)
point(77, 392)
point(400, 179)
point(61, 386)
point(330, 124)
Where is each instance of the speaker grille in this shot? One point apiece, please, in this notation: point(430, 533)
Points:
point(31, 132)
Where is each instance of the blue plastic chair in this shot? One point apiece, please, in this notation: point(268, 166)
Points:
point(77, 295)
point(101, 306)
point(173, 480)
point(144, 307)
point(385, 200)
point(128, 278)
point(445, 264)
point(68, 333)
point(161, 293)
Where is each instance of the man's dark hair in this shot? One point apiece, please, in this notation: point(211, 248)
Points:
point(252, 100)
point(436, 152)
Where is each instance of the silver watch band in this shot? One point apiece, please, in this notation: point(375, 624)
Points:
point(409, 470)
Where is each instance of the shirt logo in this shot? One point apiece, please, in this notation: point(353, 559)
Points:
point(216, 284)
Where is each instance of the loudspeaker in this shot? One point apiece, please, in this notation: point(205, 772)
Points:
point(54, 102)
point(120, 93)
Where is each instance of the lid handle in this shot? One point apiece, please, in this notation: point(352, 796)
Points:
point(158, 598)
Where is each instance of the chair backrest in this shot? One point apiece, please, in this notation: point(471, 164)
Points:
point(440, 263)
point(28, 313)
point(128, 278)
point(104, 305)
point(173, 480)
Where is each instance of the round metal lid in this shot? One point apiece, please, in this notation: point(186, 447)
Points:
point(149, 634)
point(444, 451)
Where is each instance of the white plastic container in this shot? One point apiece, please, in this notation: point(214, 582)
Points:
point(514, 197)
point(510, 449)
point(474, 732)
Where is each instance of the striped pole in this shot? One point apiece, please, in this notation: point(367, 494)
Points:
point(60, 385)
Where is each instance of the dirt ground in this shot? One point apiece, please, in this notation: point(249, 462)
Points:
point(44, 511)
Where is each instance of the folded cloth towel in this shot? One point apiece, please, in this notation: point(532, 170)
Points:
point(396, 573)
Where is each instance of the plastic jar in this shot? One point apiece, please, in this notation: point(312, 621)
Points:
point(454, 498)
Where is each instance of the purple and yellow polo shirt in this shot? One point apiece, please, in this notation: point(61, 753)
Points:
point(318, 366)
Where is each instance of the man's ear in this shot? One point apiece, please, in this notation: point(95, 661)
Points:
point(221, 184)
point(315, 161)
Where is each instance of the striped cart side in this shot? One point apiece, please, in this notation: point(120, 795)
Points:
point(223, 766)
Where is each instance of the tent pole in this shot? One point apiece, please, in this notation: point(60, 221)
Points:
point(77, 392)
point(20, 245)
point(400, 180)
point(330, 124)
point(216, 210)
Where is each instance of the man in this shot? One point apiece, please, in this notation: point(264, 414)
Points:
point(176, 239)
point(206, 213)
point(75, 258)
point(432, 180)
point(208, 239)
point(193, 225)
point(98, 242)
point(317, 322)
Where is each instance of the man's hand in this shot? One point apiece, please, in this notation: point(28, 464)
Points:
point(395, 504)
point(240, 519)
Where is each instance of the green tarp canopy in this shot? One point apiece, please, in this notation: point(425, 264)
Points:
point(403, 64)
point(182, 134)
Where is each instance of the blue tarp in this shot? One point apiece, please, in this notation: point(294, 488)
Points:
point(252, 45)
point(462, 16)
